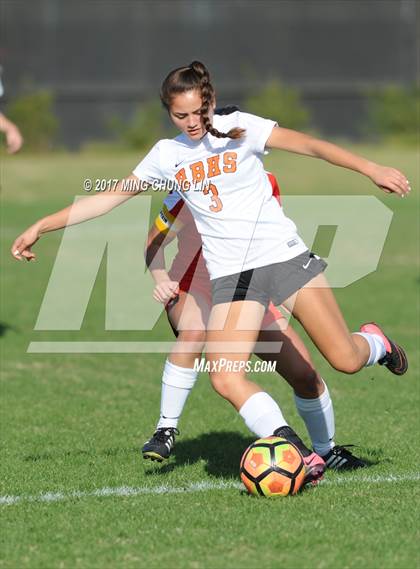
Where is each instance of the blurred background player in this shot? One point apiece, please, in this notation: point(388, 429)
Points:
point(14, 139)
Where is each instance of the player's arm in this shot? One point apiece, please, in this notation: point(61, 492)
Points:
point(158, 238)
point(83, 210)
point(14, 139)
point(388, 179)
point(154, 254)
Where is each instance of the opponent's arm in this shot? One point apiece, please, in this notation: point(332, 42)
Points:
point(157, 240)
point(388, 179)
point(83, 210)
point(154, 255)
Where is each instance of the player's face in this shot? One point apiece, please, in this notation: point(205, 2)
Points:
point(185, 112)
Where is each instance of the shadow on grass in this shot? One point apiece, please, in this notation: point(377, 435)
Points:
point(221, 451)
point(373, 456)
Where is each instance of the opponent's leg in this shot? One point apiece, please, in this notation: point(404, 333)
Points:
point(311, 394)
point(179, 376)
point(293, 361)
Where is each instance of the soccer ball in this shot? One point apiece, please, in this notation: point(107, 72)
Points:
point(272, 467)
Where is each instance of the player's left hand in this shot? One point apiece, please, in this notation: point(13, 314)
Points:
point(390, 180)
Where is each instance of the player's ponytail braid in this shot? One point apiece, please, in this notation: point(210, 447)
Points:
point(195, 76)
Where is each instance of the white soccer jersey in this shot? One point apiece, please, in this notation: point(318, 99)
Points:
point(224, 184)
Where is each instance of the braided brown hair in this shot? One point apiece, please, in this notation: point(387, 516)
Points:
point(195, 76)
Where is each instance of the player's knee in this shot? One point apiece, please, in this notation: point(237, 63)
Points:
point(225, 384)
point(198, 336)
point(309, 384)
point(220, 384)
point(346, 362)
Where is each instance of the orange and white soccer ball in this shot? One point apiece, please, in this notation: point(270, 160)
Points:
point(272, 467)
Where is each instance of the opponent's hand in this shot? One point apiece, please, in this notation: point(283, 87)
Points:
point(166, 291)
point(21, 248)
point(390, 180)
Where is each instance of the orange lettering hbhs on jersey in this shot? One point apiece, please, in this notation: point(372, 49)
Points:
point(229, 161)
point(213, 169)
point(197, 170)
point(182, 180)
point(213, 166)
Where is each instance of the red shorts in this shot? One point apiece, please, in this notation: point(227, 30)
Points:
point(271, 315)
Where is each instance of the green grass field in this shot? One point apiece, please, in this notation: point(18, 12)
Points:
point(79, 494)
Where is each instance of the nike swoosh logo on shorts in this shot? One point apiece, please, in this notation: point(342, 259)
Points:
point(307, 264)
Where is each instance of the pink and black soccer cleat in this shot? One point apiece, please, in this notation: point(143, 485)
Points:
point(315, 468)
point(395, 358)
point(314, 464)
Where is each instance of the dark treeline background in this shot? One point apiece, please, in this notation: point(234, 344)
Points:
point(102, 57)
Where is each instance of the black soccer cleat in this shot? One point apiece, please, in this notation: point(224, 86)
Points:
point(314, 464)
point(340, 458)
point(395, 358)
point(159, 446)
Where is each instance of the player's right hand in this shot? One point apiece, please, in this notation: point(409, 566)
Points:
point(21, 248)
point(166, 291)
point(14, 140)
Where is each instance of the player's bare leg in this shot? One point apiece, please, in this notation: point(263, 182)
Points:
point(231, 336)
point(232, 332)
point(311, 394)
point(317, 310)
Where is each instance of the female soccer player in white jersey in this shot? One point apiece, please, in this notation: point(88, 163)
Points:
point(186, 292)
point(252, 250)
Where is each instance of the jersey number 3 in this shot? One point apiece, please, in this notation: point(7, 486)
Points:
point(216, 203)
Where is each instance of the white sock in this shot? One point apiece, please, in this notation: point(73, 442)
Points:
point(377, 347)
point(262, 415)
point(177, 383)
point(318, 416)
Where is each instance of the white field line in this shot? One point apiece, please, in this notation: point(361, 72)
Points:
point(196, 487)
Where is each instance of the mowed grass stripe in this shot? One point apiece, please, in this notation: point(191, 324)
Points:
point(205, 485)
